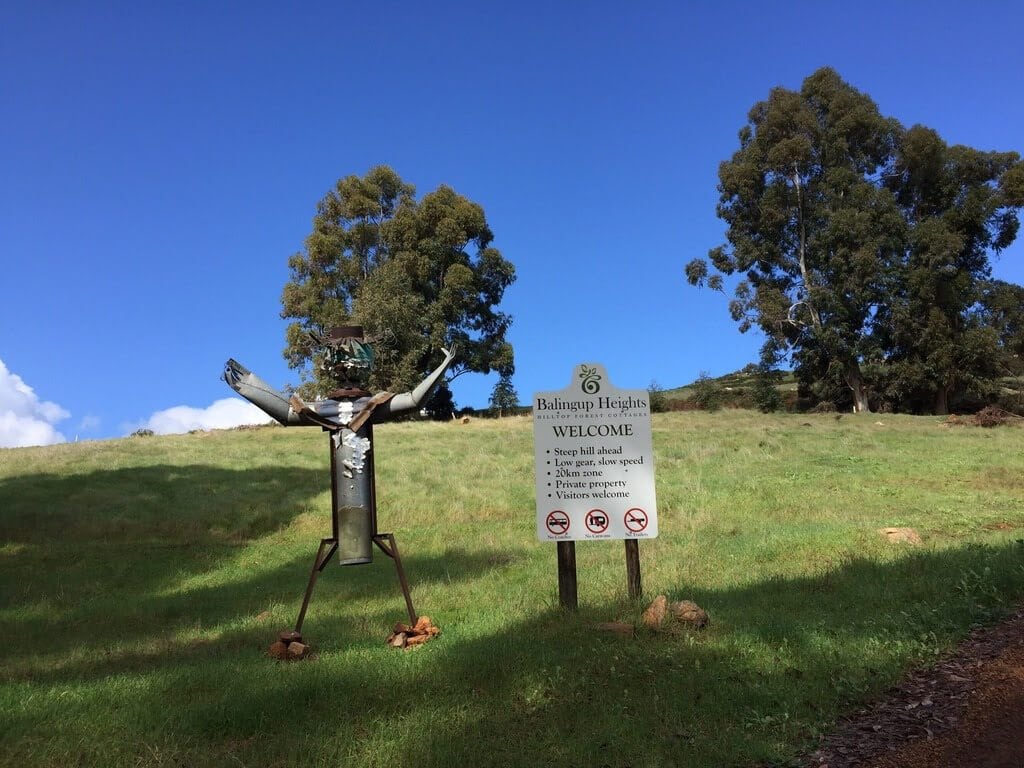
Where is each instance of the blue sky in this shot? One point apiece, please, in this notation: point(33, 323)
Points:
point(160, 162)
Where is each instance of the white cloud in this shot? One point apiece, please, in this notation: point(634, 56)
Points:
point(24, 418)
point(223, 414)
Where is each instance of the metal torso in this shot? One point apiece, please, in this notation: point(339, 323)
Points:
point(353, 500)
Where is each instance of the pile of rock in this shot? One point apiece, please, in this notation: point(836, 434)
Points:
point(685, 612)
point(289, 647)
point(410, 635)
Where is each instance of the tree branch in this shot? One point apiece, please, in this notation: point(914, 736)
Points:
point(802, 248)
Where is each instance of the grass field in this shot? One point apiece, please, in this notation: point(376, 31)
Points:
point(141, 581)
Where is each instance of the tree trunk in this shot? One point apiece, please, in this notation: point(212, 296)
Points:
point(856, 383)
point(941, 407)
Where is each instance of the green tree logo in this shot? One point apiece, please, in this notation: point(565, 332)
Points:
point(591, 380)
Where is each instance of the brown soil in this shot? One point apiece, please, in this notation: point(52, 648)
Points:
point(967, 711)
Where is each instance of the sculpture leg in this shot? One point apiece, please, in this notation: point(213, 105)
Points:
point(391, 550)
point(318, 565)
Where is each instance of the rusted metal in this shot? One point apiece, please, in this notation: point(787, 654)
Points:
point(393, 554)
point(318, 565)
point(346, 332)
point(371, 475)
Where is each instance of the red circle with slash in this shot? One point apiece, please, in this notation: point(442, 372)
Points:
point(596, 521)
point(636, 520)
point(557, 523)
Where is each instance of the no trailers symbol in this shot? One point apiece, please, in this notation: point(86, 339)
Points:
point(636, 520)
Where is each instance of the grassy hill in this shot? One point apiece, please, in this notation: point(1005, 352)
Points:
point(736, 389)
point(141, 581)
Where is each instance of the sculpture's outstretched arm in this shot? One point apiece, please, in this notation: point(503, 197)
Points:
point(409, 400)
point(259, 393)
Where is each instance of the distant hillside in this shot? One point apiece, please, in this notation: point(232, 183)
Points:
point(736, 390)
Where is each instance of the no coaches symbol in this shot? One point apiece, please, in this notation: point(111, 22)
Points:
point(557, 523)
point(636, 520)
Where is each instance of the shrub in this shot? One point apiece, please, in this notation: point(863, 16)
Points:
point(659, 403)
point(790, 402)
point(1012, 401)
point(708, 393)
point(765, 393)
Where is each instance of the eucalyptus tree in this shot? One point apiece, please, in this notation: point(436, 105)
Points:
point(961, 208)
point(418, 275)
point(863, 248)
point(1002, 304)
point(811, 229)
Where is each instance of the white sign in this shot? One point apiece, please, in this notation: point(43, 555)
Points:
point(594, 461)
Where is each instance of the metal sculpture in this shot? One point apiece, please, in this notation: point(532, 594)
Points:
point(347, 415)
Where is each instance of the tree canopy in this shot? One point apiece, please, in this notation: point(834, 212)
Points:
point(504, 396)
point(862, 247)
point(1002, 305)
point(418, 275)
point(958, 205)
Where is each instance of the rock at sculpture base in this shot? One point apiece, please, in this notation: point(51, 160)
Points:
point(289, 647)
point(279, 650)
point(407, 636)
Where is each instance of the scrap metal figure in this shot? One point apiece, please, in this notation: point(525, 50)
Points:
point(347, 415)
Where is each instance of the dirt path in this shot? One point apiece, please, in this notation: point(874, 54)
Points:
point(965, 712)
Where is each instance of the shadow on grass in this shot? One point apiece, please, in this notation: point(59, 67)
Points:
point(781, 659)
point(134, 556)
point(267, 601)
point(167, 503)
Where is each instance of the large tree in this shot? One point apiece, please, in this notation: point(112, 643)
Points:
point(418, 275)
point(1002, 305)
point(810, 228)
point(960, 205)
point(863, 247)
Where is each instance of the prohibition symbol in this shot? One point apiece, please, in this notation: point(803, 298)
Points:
point(557, 522)
point(596, 521)
point(636, 520)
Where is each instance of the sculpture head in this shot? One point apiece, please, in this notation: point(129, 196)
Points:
point(346, 358)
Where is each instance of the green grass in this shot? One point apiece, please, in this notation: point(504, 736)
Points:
point(141, 581)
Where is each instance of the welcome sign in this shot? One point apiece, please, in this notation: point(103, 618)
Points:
point(594, 461)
